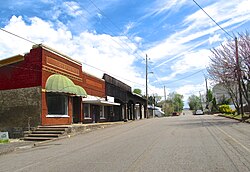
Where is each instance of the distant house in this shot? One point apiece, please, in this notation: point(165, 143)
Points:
point(220, 92)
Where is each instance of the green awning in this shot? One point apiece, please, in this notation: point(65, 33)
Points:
point(80, 91)
point(62, 84)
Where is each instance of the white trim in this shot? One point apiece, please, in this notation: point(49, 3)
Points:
point(57, 53)
point(98, 101)
point(57, 116)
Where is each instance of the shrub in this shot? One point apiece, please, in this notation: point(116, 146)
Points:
point(226, 109)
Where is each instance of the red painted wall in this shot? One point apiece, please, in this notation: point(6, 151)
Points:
point(37, 66)
point(93, 86)
point(23, 74)
point(52, 64)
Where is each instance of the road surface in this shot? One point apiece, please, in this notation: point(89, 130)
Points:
point(182, 143)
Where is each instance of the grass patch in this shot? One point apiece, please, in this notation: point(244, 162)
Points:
point(236, 116)
point(4, 141)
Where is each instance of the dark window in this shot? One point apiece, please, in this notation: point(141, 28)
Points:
point(57, 104)
point(86, 110)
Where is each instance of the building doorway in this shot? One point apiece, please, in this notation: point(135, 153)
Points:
point(76, 109)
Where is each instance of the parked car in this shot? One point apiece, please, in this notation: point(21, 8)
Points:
point(175, 114)
point(198, 112)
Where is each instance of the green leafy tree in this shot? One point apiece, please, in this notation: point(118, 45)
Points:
point(137, 91)
point(214, 105)
point(194, 102)
point(154, 99)
point(210, 95)
point(176, 101)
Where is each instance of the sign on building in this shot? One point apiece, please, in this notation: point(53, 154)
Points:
point(4, 137)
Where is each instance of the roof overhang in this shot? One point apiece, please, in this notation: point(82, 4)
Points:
point(11, 60)
point(98, 101)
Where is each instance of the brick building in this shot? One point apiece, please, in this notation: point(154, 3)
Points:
point(45, 87)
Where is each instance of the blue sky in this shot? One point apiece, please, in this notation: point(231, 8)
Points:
point(115, 35)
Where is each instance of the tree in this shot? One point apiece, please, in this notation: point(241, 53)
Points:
point(194, 102)
point(137, 91)
point(176, 101)
point(154, 99)
point(223, 68)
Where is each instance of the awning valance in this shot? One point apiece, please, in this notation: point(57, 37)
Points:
point(98, 101)
point(62, 84)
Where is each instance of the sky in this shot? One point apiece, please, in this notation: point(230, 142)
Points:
point(114, 36)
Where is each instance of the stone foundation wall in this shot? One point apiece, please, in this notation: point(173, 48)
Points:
point(20, 109)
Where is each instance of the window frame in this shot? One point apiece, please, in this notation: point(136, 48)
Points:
point(84, 115)
point(102, 112)
point(66, 105)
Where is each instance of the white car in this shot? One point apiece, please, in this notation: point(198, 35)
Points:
point(199, 112)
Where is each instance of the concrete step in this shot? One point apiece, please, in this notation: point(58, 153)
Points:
point(47, 132)
point(44, 135)
point(54, 126)
point(38, 138)
point(51, 129)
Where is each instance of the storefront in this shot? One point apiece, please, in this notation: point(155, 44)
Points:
point(98, 109)
point(46, 87)
point(131, 107)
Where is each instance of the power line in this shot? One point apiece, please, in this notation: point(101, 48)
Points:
point(186, 76)
point(31, 69)
point(212, 19)
point(141, 55)
point(111, 74)
point(128, 49)
point(17, 36)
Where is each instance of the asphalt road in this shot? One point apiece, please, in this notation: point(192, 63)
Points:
point(184, 143)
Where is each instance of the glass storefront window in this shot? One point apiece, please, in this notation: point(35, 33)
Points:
point(102, 112)
point(86, 110)
point(57, 104)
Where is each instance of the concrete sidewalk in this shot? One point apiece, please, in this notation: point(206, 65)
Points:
point(13, 145)
point(75, 129)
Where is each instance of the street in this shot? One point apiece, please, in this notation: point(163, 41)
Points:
point(182, 143)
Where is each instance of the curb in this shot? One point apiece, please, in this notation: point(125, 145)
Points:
point(36, 144)
point(234, 119)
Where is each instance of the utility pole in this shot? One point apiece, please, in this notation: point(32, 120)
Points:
point(201, 101)
point(207, 103)
point(165, 98)
point(238, 78)
point(146, 85)
point(153, 105)
point(165, 101)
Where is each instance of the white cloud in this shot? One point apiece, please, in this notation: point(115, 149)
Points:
point(72, 8)
point(101, 51)
point(99, 15)
point(214, 38)
point(128, 27)
point(188, 90)
point(163, 6)
point(199, 25)
point(189, 62)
